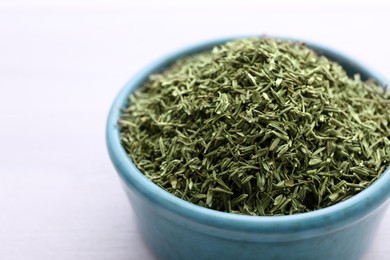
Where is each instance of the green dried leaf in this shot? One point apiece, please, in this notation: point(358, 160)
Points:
point(258, 126)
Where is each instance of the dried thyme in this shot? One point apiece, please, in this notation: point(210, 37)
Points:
point(259, 127)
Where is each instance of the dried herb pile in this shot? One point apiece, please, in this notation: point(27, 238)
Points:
point(259, 126)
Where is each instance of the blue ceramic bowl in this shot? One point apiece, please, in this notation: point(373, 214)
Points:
point(175, 229)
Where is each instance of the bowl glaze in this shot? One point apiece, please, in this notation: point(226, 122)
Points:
point(175, 229)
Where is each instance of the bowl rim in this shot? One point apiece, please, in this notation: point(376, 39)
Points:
point(336, 216)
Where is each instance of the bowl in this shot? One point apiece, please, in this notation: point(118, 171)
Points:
point(176, 229)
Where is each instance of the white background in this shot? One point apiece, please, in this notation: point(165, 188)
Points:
point(61, 65)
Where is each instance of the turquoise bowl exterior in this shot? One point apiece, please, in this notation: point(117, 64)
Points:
point(175, 229)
